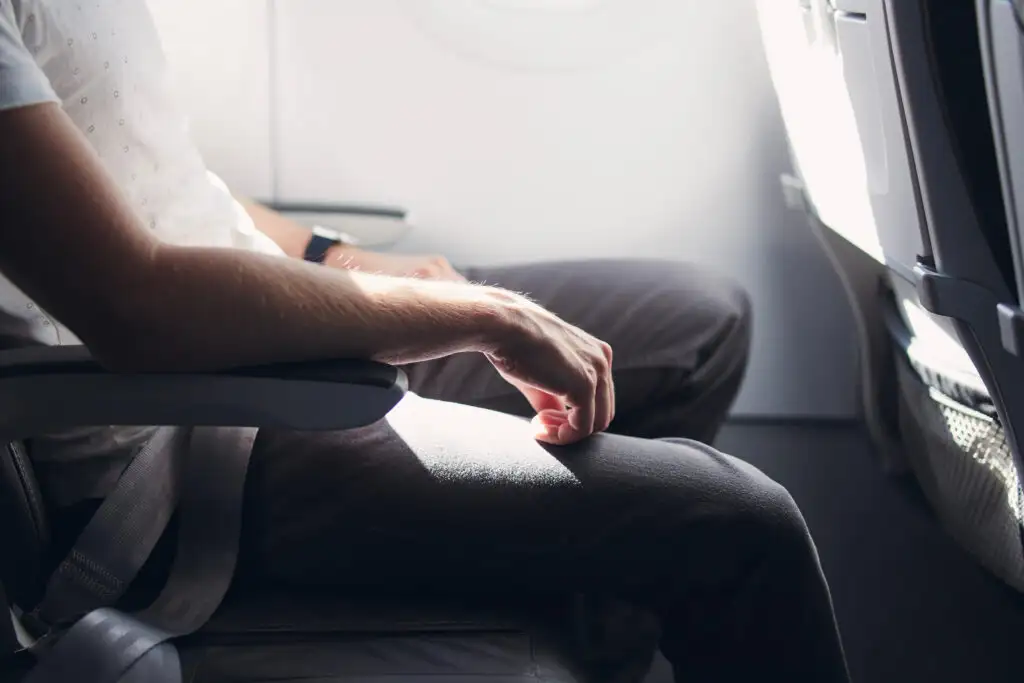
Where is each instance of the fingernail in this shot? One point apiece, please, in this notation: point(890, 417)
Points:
point(564, 431)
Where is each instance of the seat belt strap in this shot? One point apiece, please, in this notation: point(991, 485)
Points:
point(209, 532)
point(9, 643)
point(108, 646)
point(116, 542)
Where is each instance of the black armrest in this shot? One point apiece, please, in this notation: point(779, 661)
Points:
point(375, 225)
point(392, 212)
point(43, 389)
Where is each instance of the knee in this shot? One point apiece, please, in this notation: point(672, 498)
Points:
point(729, 320)
point(779, 518)
point(763, 512)
point(710, 313)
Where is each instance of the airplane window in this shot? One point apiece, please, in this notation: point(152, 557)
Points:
point(550, 34)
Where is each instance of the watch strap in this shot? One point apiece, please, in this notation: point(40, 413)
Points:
point(322, 239)
point(317, 247)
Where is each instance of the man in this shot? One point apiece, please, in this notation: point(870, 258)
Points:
point(114, 234)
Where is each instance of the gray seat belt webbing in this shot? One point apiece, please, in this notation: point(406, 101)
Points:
point(116, 542)
point(210, 529)
point(107, 646)
point(8, 636)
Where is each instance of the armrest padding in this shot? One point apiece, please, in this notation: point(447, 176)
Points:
point(49, 388)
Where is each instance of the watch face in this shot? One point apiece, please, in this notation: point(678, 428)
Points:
point(316, 250)
point(335, 236)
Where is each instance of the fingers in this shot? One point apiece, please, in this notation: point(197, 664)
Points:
point(442, 270)
point(583, 402)
point(591, 405)
point(542, 401)
point(610, 384)
point(435, 268)
point(602, 391)
point(553, 427)
point(565, 374)
point(551, 418)
point(547, 425)
point(604, 401)
point(604, 405)
point(609, 388)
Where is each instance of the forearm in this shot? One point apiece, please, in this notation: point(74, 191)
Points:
point(220, 308)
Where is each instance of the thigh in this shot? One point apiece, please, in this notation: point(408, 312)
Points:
point(442, 495)
point(653, 312)
point(680, 333)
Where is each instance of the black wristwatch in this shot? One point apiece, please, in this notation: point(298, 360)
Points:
point(322, 240)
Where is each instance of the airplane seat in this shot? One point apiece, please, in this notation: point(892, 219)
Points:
point(255, 632)
point(964, 274)
point(885, 110)
point(1001, 38)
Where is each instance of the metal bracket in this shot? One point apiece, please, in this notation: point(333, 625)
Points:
point(951, 297)
point(954, 298)
point(1011, 328)
point(990, 331)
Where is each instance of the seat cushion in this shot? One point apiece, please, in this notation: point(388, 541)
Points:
point(288, 637)
point(468, 657)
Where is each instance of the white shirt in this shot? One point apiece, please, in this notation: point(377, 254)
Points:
point(102, 61)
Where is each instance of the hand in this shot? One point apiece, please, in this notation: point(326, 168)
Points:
point(397, 265)
point(565, 373)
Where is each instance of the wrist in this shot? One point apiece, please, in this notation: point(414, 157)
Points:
point(432, 318)
point(502, 318)
point(341, 255)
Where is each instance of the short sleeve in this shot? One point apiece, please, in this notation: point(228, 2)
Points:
point(22, 82)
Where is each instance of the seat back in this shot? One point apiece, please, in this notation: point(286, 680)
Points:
point(955, 54)
point(1001, 38)
point(893, 89)
point(837, 91)
point(968, 274)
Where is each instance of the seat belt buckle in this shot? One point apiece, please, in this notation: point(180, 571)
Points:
point(41, 634)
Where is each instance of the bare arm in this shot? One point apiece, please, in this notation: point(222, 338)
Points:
point(289, 235)
point(70, 241)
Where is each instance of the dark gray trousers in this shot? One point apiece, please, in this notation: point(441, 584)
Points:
point(450, 492)
point(681, 337)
